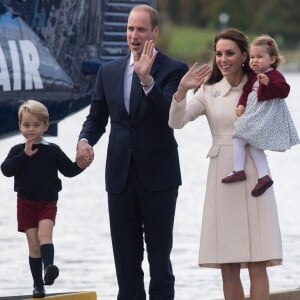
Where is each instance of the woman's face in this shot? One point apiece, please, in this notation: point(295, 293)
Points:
point(229, 60)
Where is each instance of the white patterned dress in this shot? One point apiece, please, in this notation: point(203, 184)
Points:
point(266, 125)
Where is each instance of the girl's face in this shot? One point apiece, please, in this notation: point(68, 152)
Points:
point(260, 59)
point(229, 60)
point(31, 127)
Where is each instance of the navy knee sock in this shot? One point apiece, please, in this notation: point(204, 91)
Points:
point(47, 253)
point(36, 268)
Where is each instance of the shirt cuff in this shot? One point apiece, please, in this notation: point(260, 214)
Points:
point(147, 89)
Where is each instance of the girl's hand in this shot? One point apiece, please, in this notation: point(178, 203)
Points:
point(240, 110)
point(263, 78)
point(193, 79)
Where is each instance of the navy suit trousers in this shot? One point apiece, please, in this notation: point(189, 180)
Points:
point(137, 218)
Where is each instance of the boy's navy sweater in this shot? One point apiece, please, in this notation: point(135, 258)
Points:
point(36, 177)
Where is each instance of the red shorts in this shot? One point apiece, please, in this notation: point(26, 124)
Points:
point(30, 212)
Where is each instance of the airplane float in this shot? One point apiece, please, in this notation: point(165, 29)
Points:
point(51, 50)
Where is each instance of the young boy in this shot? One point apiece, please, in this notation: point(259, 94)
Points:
point(35, 165)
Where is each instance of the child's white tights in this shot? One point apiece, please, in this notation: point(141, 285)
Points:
point(258, 156)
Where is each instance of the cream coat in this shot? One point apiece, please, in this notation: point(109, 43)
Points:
point(236, 227)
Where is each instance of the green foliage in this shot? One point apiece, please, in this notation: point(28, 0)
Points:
point(190, 44)
point(187, 43)
point(278, 18)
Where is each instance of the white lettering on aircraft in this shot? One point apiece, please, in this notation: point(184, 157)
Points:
point(15, 65)
point(31, 62)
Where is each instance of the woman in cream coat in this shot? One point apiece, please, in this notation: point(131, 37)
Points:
point(238, 230)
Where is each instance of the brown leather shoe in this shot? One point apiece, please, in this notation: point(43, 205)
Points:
point(235, 176)
point(262, 185)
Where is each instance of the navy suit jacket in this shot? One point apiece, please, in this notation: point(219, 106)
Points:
point(144, 135)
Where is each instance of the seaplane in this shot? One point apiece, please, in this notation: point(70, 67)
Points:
point(28, 70)
point(51, 50)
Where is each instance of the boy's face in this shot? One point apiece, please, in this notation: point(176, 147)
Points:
point(31, 127)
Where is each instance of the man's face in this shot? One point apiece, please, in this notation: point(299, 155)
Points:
point(139, 30)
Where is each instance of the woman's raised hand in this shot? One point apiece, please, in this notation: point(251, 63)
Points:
point(192, 79)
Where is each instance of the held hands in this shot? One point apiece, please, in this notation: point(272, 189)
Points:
point(263, 78)
point(240, 110)
point(192, 79)
point(144, 62)
point(84, 154)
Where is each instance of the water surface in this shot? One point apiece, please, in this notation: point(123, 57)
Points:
point(82, 238)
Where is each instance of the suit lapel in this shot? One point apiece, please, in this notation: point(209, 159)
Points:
point(156, 64)
point(118, 84)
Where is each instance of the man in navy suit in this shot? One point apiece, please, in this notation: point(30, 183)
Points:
point(142, 167)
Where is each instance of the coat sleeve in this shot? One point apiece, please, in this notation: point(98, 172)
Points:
point(94, 126)
point(67, 167)
point(247, 89)
point(277, 87)
point(187, 110)
point(14, 161)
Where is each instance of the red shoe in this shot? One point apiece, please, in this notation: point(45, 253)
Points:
point(235, 176)
point(262, 185)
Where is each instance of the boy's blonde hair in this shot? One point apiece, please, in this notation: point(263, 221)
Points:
point(36, 108)
point(272, 48)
